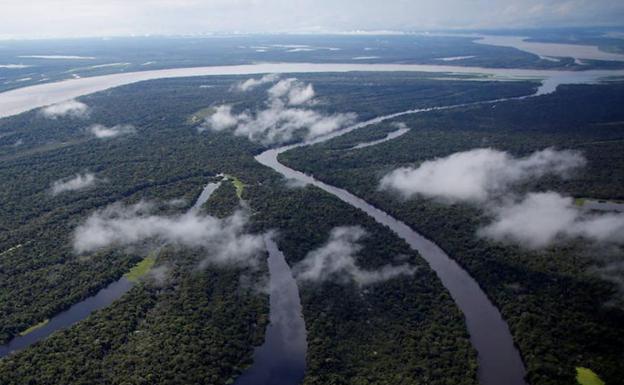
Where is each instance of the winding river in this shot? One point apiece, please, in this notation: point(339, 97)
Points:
point(499, 360)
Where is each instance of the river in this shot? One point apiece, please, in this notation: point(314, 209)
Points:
point(27, 98)
point(281, 359)
point(499, 360)
point(551, 51)
point(84, 308)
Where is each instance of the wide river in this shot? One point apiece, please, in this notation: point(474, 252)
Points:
point(498, 358)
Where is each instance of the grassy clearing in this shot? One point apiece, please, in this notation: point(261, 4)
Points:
point(238, 185)
point(586, 376)
point(141, 268)
point(34, 327)
point(579, 201)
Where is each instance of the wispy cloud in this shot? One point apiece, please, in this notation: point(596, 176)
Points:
point(335, 260)
point(78, 182)
point(14, 66)
point(223, 240)
point(287, 113)
point(103, 132)
point(480, 174)
point(71, 108)
point(252, 83)
point(293, 90)
point(541, 219)
point(486, 177)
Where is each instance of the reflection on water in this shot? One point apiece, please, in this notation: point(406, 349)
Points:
point(76, 313)
point(280, 360)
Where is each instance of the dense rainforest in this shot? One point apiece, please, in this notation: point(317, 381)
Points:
point(564, 312)
point(206, 318)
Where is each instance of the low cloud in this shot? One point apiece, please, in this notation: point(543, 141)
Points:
point(335, 260)
point(159, 275)
point(479, 175)
point(70, 108)
point(283, 117)
point(14, 66)
point(542, 219)
point(252, 83)
point(78, 182)
point(222, 118)
point(224, 240)
point(103, 132)
point(293, 90)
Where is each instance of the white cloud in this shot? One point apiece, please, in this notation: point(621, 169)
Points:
point(14, 66)
point(78, 182)
point(58, 57)
point(293, 90)
point(541, 219)
point(223, 240)
point(250, 84)
point(221, 119)
point(71, 108)
point(278, 122)
point(335, 260)
point(103, 132)
point(478, 175)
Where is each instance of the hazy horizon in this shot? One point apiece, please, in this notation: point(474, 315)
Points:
point(71, 18)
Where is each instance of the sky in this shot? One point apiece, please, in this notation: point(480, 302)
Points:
point(79, 18)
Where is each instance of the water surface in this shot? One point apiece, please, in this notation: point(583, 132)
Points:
point(23, 99)
point(551, 51)
point(281, 359)
point(84, 308)
point(63, 320)
point(498, 358)
point(392, 135)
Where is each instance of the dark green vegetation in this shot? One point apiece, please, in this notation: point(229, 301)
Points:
point(199, 326)
point(561, 313)
point(403, 331)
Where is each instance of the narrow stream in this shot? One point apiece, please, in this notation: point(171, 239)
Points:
point(389, 136)
point(281, 359)
point(63, 320)
point(84, 308)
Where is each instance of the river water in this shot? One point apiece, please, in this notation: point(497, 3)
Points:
point(551, 51)
point(63, 320)
point(499, 360)
point(84, 308)
point(23, 99)
point(281, 359)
